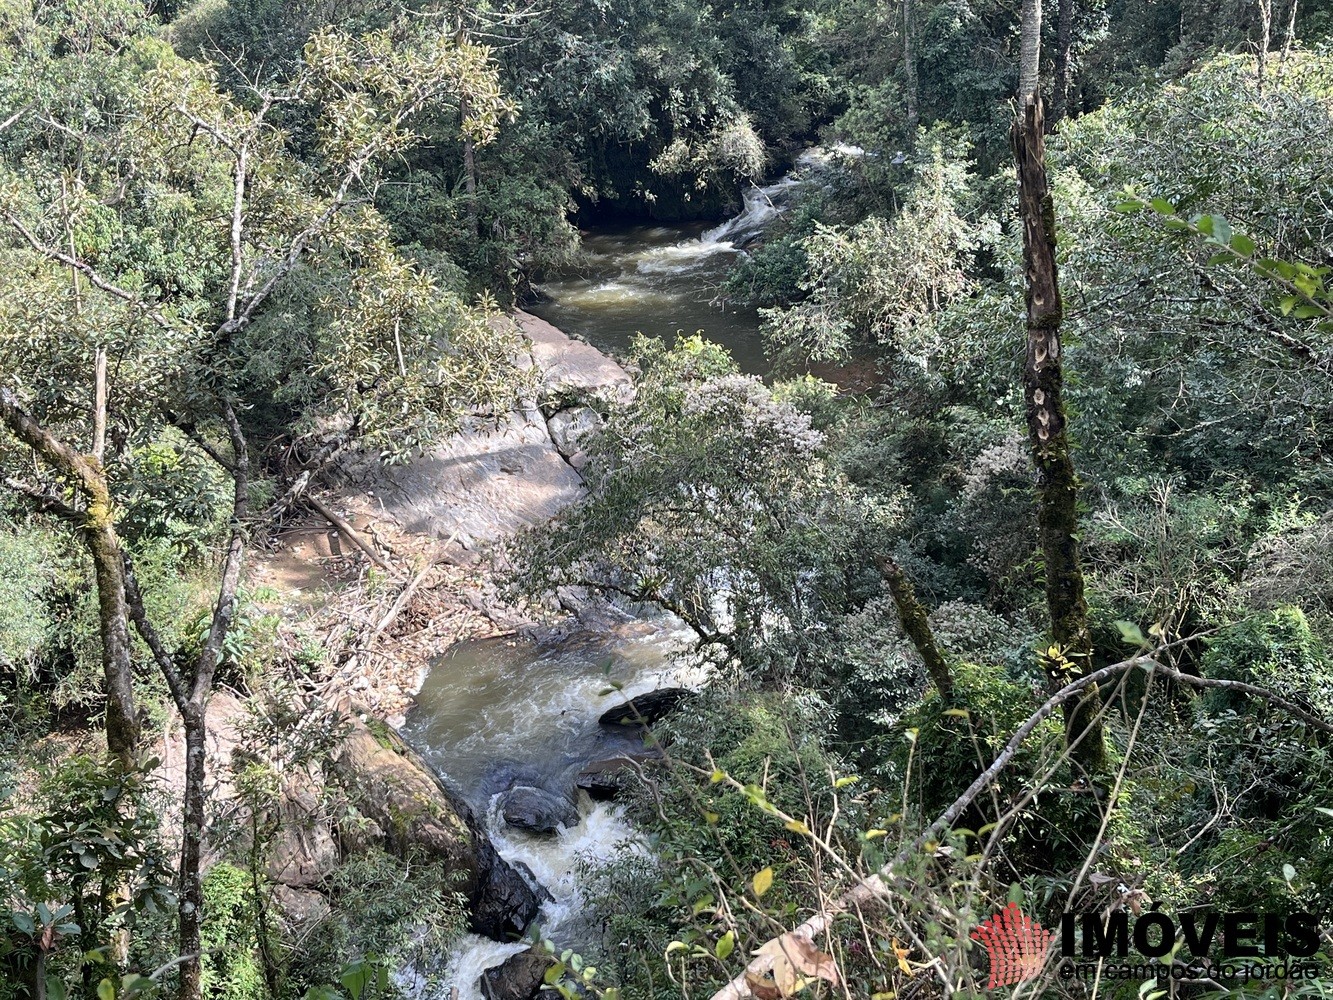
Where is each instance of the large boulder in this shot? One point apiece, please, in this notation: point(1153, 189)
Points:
point(392, 784)
point(537, 810)
point(508, 897)
point(645, 709)
point(388, 782)
point(519, 977)
point(604, 777)
point(571, 370)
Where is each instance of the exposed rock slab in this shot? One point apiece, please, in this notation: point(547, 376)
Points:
point(571, 369)
point(491, 479)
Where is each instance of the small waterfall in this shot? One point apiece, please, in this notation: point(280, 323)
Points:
point(493, 709)
point(600, 833)
point(761, 206)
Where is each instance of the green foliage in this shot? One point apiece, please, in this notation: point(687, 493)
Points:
point(29, 564)
point(405, 913)
point(1277, 652)
point(77, 866)
point(710, 496)
point(880, 281)
point(232, 970)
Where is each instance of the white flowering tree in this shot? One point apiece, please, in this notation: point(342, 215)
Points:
point(711, 496)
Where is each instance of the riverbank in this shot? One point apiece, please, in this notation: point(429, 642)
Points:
point(431, 524)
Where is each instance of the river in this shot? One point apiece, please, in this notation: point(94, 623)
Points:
point(496, 708)
point(651, 279)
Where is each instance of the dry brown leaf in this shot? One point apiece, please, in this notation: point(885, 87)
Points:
point(762, 987)
point(793, 960)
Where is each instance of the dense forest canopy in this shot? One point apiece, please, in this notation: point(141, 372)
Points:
point(1010, 582)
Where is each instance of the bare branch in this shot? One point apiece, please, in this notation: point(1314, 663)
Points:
point(225, 609)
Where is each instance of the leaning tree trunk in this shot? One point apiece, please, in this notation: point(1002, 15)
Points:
point(915, 625)
point(96, 524)
point(1057, 491)
point(122, 725)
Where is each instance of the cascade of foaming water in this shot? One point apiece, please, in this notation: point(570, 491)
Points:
point(762, 205)
point(601, 832)
point(491, 706)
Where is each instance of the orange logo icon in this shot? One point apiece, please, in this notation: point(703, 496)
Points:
point(1015, 944)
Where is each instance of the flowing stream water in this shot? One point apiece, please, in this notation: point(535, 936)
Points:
point(666, 279)
point(496, 708)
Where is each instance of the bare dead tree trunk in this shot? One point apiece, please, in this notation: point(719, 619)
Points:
point(916, 626)
point(1057, 490)
point(1265, 8)
point(1064, 70)
point(909, 69)
point(1029, 50)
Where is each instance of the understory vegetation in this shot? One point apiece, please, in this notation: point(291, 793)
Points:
point(244, 241)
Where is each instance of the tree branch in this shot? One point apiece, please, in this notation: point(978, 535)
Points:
point(874, 890)
point(225, 609)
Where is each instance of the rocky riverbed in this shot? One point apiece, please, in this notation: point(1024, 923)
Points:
point(508, 773)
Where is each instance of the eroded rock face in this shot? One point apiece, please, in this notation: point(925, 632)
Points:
point(519, 977)
point(491, 479)
point(394, 786)
point(391, 784)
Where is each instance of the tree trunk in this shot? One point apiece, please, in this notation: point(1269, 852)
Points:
point(191, 908)
point(469, 166)
point(98, 529)
point(915, 625)
point(1029, 50)
point(1265, 8)
point(1057, 490)
point(122, 724)
point(909, 70)
point(1064, 44)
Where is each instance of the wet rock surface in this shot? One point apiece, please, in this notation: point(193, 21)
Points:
point(537, 809)
point(507, 898)
point(519, 977)
point(645, 709)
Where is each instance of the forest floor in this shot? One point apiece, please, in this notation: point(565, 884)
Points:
point(380, 631)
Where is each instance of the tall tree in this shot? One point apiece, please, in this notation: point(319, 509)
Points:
point(1048, 434)
point(1029, 49)
point(243, 216)
point(1064, 70)
point(910, 82)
